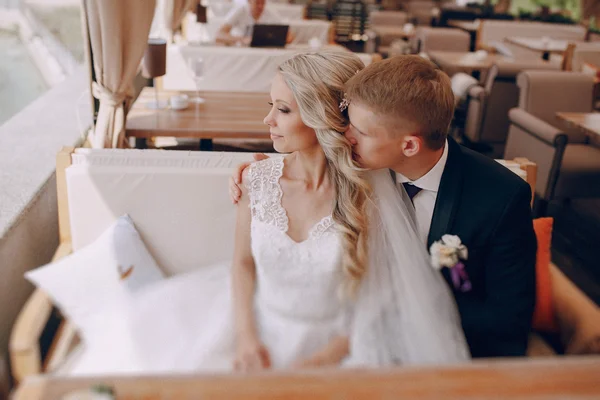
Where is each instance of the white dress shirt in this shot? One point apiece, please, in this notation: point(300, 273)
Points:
point(424, 201)
point(241, 21)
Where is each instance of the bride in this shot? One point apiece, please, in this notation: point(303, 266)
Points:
point(328, 269)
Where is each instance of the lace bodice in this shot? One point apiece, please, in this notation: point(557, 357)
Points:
point(298, 279)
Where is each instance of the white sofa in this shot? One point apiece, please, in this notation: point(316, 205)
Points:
point(179, 203)
point(171, 196)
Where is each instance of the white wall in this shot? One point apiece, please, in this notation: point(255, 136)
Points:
point(29, 143)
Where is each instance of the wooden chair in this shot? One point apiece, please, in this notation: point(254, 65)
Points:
point(567, 61)
point(577, 316)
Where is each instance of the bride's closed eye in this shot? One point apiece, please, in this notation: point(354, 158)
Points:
point(281, 109)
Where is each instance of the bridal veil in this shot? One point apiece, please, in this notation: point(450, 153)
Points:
point(404, 312)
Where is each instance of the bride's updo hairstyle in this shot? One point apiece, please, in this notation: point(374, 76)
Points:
point(317, 82)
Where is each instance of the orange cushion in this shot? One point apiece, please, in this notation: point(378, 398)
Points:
point(543, 317)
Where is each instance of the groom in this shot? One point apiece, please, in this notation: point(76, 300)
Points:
point(400, 110)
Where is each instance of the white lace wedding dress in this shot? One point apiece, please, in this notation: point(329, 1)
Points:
point(404, 312)
point(296, 304)
point(297, 307)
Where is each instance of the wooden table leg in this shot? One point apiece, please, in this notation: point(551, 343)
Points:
point(473, 40)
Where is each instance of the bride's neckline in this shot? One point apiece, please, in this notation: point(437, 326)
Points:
point(317, 229)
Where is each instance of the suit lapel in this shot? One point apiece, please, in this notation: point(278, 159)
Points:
point(448, 195)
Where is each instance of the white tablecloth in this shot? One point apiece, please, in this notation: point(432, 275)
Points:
point(302, 29)
point(230, 69)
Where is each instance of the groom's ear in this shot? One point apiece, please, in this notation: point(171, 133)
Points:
point(411, 145)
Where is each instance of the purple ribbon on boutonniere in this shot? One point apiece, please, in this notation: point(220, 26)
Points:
point(460, 278)
point(449, 252)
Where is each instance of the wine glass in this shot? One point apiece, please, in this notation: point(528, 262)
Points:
point(196, 67)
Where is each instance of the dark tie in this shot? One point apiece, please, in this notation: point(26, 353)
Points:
point(411, 189)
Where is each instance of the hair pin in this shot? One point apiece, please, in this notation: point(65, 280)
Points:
point(344, 103)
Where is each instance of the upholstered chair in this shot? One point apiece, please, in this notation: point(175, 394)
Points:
point(488, 105)
point(568, 165)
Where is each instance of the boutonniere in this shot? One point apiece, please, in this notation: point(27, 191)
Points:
point(449, 252)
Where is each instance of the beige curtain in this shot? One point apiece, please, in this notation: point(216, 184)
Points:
point(118, 33)
point(174, 12)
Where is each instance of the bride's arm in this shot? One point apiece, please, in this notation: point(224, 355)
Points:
point(250, 351)
point(332, 354)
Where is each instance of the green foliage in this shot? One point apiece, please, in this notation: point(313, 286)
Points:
point(527, 8)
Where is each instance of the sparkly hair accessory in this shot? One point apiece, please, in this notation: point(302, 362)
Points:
point(344, 103)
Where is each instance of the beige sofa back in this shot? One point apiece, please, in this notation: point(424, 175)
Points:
point(178, 201)
point(487, 118)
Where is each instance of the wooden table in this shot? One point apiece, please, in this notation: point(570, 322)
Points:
point(224, 115)
point(466, 61)
point(539, 45)
point(469, 26)
point(587, 122)
point(548, 378)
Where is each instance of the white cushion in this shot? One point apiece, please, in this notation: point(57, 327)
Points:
point(107, 271)
point(162, 329)
point(179, 201)
point(461, 83)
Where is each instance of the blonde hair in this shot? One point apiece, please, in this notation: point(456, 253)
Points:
point(411, 88)
point(317, 81)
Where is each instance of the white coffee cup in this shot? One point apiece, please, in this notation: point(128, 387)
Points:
point(179, 101)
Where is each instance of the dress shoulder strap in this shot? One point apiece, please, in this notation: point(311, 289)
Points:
point(265, 192)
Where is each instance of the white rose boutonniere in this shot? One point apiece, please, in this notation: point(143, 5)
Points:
point(449, 252)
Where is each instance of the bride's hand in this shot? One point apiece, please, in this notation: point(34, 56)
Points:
point(331, 355)
point(306, 363)
point(236, 179)
point(251, 355)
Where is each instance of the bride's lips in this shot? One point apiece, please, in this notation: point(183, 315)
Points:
point(275, 137)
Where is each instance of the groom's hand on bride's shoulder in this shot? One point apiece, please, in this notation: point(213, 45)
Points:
point(236, 179)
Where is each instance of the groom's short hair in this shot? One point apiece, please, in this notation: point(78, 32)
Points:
point(408, 87)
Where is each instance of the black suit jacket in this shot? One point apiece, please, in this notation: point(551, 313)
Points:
point(488, 207)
